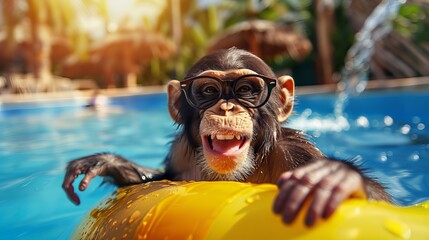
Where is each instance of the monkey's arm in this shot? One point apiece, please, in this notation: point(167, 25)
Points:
point(327, 183)
point(121, 170)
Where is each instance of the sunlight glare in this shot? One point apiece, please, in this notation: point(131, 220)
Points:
point(132, 14)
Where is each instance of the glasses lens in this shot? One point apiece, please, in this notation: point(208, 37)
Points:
point(204, 92)
point(251, 91)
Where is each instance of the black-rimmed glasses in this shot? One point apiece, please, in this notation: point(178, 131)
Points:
point(251, 91)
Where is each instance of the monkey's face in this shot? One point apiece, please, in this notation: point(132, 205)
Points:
point(226, 131)
point(226, 127)
point(226, 115)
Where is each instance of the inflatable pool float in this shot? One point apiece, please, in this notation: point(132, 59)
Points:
point(231, 210)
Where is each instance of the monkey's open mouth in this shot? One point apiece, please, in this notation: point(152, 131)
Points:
point(226, 144)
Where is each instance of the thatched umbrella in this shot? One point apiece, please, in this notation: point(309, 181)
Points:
point(143, 46)
point(128, 52)
point(265, 39)
point(123, 55)
point(60, 49)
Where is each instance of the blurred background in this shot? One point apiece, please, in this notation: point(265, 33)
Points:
point(53, 52)
point(60, 45)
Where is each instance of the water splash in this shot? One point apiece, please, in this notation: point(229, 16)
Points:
point(355, 73)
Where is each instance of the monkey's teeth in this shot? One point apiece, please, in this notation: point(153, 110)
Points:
point(224, 137)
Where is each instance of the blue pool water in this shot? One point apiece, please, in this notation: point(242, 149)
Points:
point(386, 132)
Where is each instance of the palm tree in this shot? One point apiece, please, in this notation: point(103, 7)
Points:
point(40, 20)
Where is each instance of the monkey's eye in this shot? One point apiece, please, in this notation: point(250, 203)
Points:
point(246, 88)
point(204, 92)
point(250, 91)
point(210, 90)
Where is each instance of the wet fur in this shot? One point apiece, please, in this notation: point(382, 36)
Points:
point(273, 151)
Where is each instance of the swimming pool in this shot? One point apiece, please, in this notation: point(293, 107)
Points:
point(388, 133)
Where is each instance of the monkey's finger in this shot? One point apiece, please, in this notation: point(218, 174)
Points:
point(351, 184)
point(287, 183)
point(321, 196)
point(294, 201)
point(301, 190)
point(88, 177)
point(287, 186)
point(299, 172)
point(69, 177)
point(71, 194)
point(280, 200)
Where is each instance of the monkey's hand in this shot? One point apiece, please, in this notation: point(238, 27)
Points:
point(326, 183)
point(122, 171)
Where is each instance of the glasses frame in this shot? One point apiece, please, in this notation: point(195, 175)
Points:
point(186, 83)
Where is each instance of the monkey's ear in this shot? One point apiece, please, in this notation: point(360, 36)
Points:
point(173, 91)
point(287, 93)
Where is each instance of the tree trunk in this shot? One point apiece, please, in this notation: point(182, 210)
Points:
point(40, 64)
point(324, 25)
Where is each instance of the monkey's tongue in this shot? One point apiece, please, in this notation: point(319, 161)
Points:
point(226, 146)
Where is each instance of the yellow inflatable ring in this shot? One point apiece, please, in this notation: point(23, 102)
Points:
point(231, 210)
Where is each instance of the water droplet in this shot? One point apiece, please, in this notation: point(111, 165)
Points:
point(424, 205)
point(368, 43)
point(362, 121)
point(388, 121)
point(250, 200)
point(341, 85)
point(120, 195)
point(307, 112)
point(414, 157)
point(399, 229)
point(360, 87)
point(416, 119)
point(383, 157)
point(420, 126)
point(405, 129)
point(134, 216)
point(95, 213)
point(140, 196)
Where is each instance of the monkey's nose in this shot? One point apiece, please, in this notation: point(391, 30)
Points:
point(226, 106)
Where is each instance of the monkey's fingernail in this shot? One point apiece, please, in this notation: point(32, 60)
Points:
point(288, 218)
point(276, 208)
point(327, 213)
point(310, 220)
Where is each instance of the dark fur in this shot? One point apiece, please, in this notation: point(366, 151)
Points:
point(276, 149)
point(229, 59)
